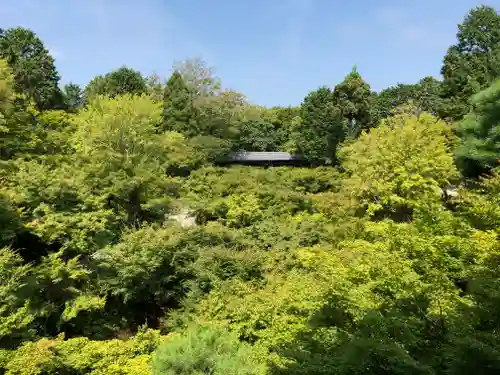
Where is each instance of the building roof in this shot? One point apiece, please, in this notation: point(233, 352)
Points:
point(249, 156)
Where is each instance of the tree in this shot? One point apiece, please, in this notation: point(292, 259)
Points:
point(320, 129)
point(196, 105)
point(424, 96)
point(179, 113)
point(73, 96)
point(149, 267)
point(353, 97)
point(10, 224)
point(35, 74)
point(220, 115)
point(254, 135)
point(15, 122)
point(155, 87)
point(403, 163)
point(118, 82)
point(199, 77)
point(479, 149)
point(474, 62)
point(429, 91)
point(15, 314)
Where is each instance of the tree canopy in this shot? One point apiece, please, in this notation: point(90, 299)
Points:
point(472, 64)
point(35, 74)
point(128, 248)
point(118, 82)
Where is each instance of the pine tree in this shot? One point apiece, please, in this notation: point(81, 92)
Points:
point(353, 99)
point(479, 150)
point(178, 112)
point(473, 63)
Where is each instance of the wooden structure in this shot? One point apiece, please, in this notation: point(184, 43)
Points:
point(263, 158)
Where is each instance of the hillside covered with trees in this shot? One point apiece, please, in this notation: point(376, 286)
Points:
point(381, 256)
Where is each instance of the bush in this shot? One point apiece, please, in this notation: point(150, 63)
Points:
point(205, 350)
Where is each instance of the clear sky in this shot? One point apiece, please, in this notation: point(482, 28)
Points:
point(274, 51)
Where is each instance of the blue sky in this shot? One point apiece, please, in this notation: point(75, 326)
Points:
point(274, 51)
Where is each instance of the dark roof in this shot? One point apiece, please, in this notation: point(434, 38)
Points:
point(262, 156)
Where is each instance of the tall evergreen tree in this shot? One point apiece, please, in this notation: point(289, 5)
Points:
point(479, 150)
point(35, 74)
point(178, 114)
point(73, 96)
point(474, 62)
point(353, 98)
point(321, 128)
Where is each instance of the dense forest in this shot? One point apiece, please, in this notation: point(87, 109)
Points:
point(127, 249)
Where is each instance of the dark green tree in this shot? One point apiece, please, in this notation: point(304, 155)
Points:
point(35, 74)
point(118, 82)
point(320, 128)
point(178, 109)
point(258, 136)
point(390, 98)
point(479, 150)
point(424, 95)
point(353, 99)
point(428, 98)
point(282, 118)
point(474, 62)
point(73, 96)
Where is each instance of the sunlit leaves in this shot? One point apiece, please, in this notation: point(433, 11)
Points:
point(404, 162)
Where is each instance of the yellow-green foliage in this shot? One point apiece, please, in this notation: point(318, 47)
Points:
point(82, 356)
point(15, 314)
point(374, 265)
point(206, 349)
point(14, 130)
point(406, 161)
point(117, 126)
point(6, 90)
point(482, 204)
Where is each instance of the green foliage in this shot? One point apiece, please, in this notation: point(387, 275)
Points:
point(155, 87)
point(254, 135)
point(42, 299)
point(479, 131)
point(219, 115)
point(148, 266)
point(194, 108)
point(15, 314)
point(425, 96)
point(320, 128)
point(179, 111)
point(82, 356)
point(73, 96)
point(15, 123)
point(10, 223)
point(202, 350)
point(115, 220)
point(402, 164)
point(35, 74)
point(473, 63)
point(353, 98)
point(118, 82)
point(122, 127)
